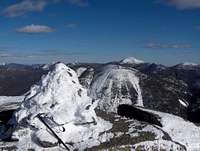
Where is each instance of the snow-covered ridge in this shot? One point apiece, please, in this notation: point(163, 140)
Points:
point(115, 85)
point(131, 60)
point(67, 109)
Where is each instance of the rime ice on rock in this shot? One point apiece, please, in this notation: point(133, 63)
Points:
point(67, 109)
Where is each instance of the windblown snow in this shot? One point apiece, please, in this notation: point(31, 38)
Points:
point(65, 106)
point(115, 85)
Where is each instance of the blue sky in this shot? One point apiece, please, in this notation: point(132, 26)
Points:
point(42, 31)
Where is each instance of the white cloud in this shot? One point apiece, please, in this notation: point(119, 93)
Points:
point(35, 29)
point(184, 4)
point(154, 45)
point(26, 6)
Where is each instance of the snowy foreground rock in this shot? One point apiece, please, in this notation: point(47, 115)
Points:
point(64, 105)
point(184, 132)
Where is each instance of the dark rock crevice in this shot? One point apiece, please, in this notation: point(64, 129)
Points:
point(140, 115)
point(5, 116)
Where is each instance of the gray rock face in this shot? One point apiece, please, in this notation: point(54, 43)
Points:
point(163, 93)
point(191, 75)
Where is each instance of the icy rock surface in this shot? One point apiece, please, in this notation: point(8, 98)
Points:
point(116, 85)
point(67, 109)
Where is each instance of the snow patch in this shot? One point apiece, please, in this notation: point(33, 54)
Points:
point(159, 145)
point(184, 103)
point(133, 130)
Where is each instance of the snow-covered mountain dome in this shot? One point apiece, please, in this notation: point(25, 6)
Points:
point(131, 60)
point(64, 105)
point(189, 64)
point(115, 85)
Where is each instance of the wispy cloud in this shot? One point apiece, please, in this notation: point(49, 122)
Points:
point(154, 45)
point(81, 3)
point(71, 25)
point(35, 29)
point(183, 4)
point(26, 6)
point(41, 57)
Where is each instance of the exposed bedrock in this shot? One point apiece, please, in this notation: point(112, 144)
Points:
point(140, 115)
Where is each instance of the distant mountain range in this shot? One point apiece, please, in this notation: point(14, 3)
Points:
point(159, 84)
point(150, 93)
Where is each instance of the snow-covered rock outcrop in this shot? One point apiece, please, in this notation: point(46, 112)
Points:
point(10, 102)
point(64, 105)
point(80, 71)
point(115, 85)
point(180, 130)
point(131, 60)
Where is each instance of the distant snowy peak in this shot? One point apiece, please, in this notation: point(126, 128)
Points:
point(49, 65)
point(189, 64)
point(131, 60)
